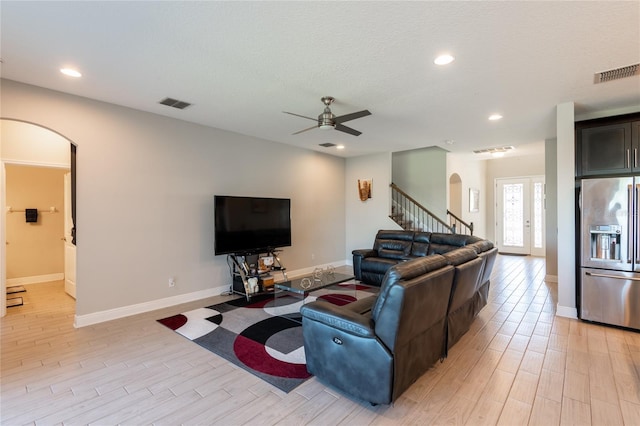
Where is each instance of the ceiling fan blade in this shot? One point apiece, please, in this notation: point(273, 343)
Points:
point(352, 116)
point(349, 130)
point(300, 131)
point(303, 116)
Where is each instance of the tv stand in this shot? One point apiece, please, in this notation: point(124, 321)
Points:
point(244, 266)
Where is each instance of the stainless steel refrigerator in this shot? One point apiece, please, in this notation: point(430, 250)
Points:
point(610, 251)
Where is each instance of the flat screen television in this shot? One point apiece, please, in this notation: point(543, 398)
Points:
point(249, 225)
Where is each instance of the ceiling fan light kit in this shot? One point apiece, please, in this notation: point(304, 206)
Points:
point(327, 120)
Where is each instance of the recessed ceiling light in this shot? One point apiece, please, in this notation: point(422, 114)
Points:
point(449, 142)
point(443, 59)
point(70, 72)
point(497, 154)
point(494, 117)
point(340, 147)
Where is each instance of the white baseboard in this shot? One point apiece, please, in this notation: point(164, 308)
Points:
point(567, 311)
point(125, 311)
point(35, 279)
point(551, 278)
point(139, 308)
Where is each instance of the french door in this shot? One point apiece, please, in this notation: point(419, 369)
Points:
point(520, 215)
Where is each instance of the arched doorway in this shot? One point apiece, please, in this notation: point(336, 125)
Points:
point(31, 148)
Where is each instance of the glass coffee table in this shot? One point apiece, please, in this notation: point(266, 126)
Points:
point(308, 283)
point(289, 296)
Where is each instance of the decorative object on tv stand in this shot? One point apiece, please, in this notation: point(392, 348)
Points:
point(265, 263)
point(317, 274)
point(364, 188)
point(253, 284)
point(305, 283)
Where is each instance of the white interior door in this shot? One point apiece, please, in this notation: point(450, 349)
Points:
point(69, 247)
point(520, 215)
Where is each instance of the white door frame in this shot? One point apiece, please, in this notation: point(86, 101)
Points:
point(530, 246)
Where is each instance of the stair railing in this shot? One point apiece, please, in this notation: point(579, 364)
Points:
point(459, 225)
point(411, 215)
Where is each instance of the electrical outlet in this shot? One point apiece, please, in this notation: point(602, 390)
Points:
point(172, 282)
point(313, 256)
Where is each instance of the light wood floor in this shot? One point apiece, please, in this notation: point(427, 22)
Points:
point(518, 364)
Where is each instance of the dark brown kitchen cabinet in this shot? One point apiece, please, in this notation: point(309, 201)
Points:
point(608, 147)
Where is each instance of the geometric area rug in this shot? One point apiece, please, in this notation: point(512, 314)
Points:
point(261, 336)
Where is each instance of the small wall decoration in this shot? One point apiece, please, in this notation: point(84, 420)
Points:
point(364, 188)
point(474, 200)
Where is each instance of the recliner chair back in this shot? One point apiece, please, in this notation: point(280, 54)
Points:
point(462, 305)
point(393, 244)
point(409, 316)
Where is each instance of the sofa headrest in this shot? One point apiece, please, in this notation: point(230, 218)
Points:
point(459, 256)
point(421, 243)
point(422, 237)
point(458, 240)
point(481, 246)
point(414, 267)
point(395, 235)
point(405, 271)
point(392, 249)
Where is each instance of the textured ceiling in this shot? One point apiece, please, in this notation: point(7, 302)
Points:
point(242, 63)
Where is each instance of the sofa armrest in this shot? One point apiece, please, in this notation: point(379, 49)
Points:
point(358, 255)
point(338, 317)
point(364, 253)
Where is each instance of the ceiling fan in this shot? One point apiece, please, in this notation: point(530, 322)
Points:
point(327, 120)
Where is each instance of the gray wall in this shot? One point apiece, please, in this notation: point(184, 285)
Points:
point(145, 196)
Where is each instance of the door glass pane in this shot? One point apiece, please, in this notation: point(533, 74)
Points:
point(513, 225)
point(537, 214)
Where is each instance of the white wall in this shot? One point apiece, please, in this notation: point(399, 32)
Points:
point(422, 173)
point(24, 143)
point(145, 197)
point(551, 209)
point(566, 210)
point(472, 174)
point(365, 218)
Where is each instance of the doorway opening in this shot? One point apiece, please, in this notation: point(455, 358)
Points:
point(37, 209)
point(520, 224)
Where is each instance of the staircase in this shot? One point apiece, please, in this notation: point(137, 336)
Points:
point(411, 215)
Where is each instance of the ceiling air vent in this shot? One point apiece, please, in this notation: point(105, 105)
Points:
point(618, 73)
point(174, 103)
point(493, 150)
point(327, 144)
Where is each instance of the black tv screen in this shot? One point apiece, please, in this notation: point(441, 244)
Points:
point(250, 224)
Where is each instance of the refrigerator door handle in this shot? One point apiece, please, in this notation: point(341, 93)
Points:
point(617, 277)
point(636, 243)
point(630, 233)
